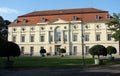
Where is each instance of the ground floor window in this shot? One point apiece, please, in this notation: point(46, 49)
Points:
point(75, 50)
point(22, 50)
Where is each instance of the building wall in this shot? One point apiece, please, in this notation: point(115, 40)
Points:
point(69, 28)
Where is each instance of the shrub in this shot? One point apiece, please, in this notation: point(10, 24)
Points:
point(62, 51)
point(9, 49)
point(98, 50)
point(111, 50)
point(42, 51)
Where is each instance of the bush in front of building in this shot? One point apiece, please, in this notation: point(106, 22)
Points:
point(62, 51)
point(98, 50)
point(111, 50)
point(9, 49)
point(42, 52)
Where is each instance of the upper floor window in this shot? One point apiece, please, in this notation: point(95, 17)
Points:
point(74, 37)
point(97, 37)
point(24, 20)
point(57, 34)
point(108, 17)
point(65, 36)
point(23, 29)
point(97, 17)
point(23, 38)
point(14, 29)
point(51, 36)
point(75, 18)
point(87, 37)
point(32, 38)
point(43, 19)
point(42, 38)
point(109, 37)
point(32, 28)
point(14, 38)
point(15, 21)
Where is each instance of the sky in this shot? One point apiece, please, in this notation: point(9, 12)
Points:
point(11, 9)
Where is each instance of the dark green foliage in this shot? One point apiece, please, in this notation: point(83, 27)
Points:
point(9, 49)
point(4, 27)
point(62, 50)
point(98, 50)
point(114, 25)
point(42, 51)
point(111, 50)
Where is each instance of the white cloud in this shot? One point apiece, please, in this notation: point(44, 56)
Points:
point(5, 10)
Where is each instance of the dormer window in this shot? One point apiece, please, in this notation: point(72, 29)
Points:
point(75, 18)
point(97, 17)
point(16, 21)
point(43, 19)
point(108, 17)
point(24, 20)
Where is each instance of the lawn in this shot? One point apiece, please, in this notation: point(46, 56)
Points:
point(46, 61)
point(42, 62)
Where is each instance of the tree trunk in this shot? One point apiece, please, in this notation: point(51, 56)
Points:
point(8, 58)
point(119, 47)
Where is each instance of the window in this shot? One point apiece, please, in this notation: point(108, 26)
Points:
point(65, 36)
point(23, 29)
point(32, 38)
point(42, 38)
point(75, 18)
point(97, 17)
point(31, 50)
point(87, 37)
point(42, 47)
point(23, 38)
point(57, 34)
point(97, 26)
point(14, 38)
point(16, 21)
point(14, 29)
point(86, 49)
point(22, 50)
point(75, 50)
point(74, 37)
point(51, 36)
point(32, 28)
point(109, 37)
point(24, 20)
point(97, 37)
point(43, 19)
point(108, 17)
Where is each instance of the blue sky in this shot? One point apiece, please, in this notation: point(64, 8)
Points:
point(10, 9)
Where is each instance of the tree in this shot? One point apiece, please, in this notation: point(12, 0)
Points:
point(42, 51)
point(114, 25)
point(98, 50)
point(111, 50)
point(9, 49)
point(4, 27)
point(62, 50)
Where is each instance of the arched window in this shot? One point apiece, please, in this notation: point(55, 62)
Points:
point(57, 34)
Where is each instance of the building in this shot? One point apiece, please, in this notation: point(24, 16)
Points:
point(54, 29)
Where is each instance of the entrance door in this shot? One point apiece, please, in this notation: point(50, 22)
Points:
point(57, 47)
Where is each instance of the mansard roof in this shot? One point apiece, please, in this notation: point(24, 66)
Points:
point(80, 14)
point(64, 11)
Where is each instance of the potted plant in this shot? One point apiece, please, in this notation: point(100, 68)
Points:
point(98, 50)
point(42, 52)
point(62, 51)
point(111, 50)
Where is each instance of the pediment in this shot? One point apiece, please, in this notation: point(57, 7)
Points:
point(58, 21)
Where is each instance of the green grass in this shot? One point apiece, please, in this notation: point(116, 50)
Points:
point(39, 62)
